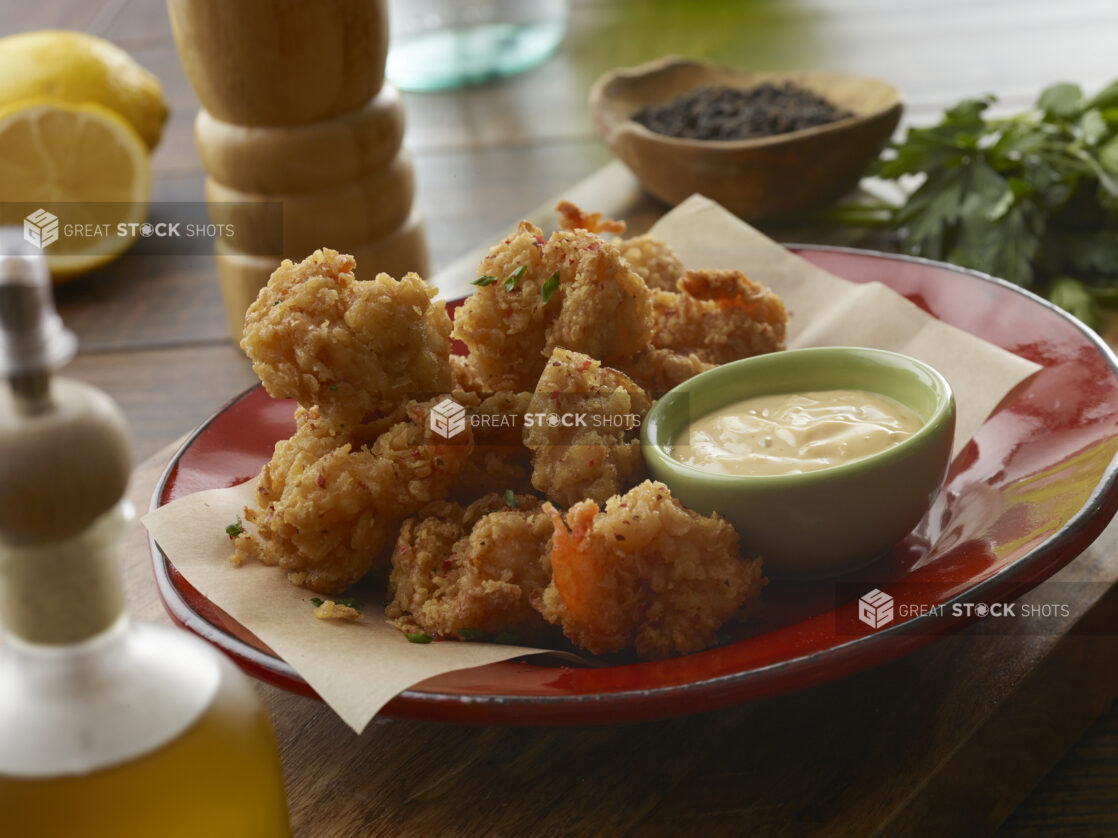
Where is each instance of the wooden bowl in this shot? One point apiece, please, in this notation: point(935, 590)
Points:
point(756, 178)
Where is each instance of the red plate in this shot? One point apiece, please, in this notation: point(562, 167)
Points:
point(1036, 485)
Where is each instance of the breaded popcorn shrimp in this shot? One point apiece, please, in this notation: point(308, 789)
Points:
point(327, 506)
point(584, 430)
point(653, 260)
point(470, 572)
point(649, 257)
point(314, 438)
point(464, 376)
point(500, 460)
point(658, 370)
point(646, 572)
point(355, 349)
point(719, 316)
point(572, 290)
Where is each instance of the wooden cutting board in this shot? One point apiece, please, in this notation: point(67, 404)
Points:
point(946, 741)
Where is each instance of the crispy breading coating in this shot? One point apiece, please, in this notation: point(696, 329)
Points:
point(314, 437)
point(598, 306)
point(327, 506)
point(354, 348)
point(505, 330)
point(584, 430)
point(413, 465)
point(471, 569)
point(658, 370)
point(606, 309)
point(645, 572)
point(464, 376)
point(573, 218)
point(499, 460)
point(720, 316)
point(330, 610)
point(653, 260)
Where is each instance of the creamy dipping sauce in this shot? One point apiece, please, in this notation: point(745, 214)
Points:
point(790, 433)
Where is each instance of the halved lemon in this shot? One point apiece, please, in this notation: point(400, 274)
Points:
point(76, 178)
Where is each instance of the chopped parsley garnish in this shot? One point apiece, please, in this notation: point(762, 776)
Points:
point(333, 386)
point(513, 279)
point(550, 287)
point(506, 637)
point(418, 638)
point(471, 634)
point(233, 530)
point(355, 604)
point(316, 602)
point(482, 281)
point(510, 499)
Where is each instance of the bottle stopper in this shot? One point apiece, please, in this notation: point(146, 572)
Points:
point(32, 337)
point(64, 453)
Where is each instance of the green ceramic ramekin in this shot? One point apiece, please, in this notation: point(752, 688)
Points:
point(821, 523)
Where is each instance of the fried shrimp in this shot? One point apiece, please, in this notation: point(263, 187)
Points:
point(649, 257)
point(464, 376)
point(353, 348)
point(499, 460)
point(719, 316)
point(327, 505)
point(414, 465)
point(342, 548)
point(653, 260)
point(572, 218)
point(645, 572)
point(572, 290)
point(658, 370)
point(470, 572)
point(314, 437)
point(583, 436)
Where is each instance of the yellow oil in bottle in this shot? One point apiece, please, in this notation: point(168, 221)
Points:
point(220, 779)
point(108, 729)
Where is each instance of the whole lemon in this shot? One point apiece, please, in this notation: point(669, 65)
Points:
point(75, 67)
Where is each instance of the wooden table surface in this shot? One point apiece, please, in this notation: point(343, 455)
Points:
point(153, 336)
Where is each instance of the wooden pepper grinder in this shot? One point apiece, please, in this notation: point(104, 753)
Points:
point(300, 136)
point(109, 728)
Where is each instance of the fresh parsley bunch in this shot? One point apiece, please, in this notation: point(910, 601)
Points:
point(1032, 198)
